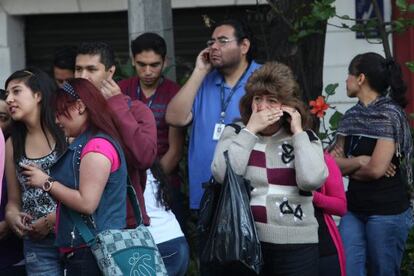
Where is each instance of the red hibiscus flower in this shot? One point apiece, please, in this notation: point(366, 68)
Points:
point(319, 106)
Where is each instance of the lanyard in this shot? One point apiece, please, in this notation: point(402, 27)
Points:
point(152, 98)
point(225, 102)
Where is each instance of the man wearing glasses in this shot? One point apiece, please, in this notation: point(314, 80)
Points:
point(210, 98)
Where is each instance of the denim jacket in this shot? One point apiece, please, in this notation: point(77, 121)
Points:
point(111, 211)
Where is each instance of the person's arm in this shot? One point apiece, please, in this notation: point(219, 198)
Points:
point(169, 161)
point(179, 109)
point(93, 175)
point(346, 165)
point(333, 200)
point(14, 217)
point(310, 167)
point(135, 123)
point(378, 163)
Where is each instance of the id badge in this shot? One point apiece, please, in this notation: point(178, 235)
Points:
point(218, 130)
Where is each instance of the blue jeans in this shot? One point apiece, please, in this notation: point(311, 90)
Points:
point(375, 242)
point(42, 257)
point(175, 254)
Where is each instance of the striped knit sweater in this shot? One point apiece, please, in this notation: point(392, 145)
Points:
point(283, 169)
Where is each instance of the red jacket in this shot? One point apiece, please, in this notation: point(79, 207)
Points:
point(136, 125)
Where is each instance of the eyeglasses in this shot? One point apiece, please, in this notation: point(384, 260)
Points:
point(221, 41)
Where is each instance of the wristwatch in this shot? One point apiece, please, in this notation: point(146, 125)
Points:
point(47, 186)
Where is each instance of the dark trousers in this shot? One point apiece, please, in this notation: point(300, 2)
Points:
point(329, 266)
point(290, 260)
point(81, 262)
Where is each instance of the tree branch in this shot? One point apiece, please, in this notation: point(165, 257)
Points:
point(381, 29)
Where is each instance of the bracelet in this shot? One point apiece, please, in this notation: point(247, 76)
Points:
point(48, 224)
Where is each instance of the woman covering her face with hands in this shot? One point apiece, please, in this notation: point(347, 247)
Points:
point(283, 162)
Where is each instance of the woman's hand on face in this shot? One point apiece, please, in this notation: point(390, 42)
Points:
point(35, 177)
point(295, 119)
point(19, 223)
point(259, 120)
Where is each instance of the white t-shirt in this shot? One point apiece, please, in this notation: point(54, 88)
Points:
point(163, 224)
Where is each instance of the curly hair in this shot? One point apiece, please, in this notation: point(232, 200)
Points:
point(275, 79)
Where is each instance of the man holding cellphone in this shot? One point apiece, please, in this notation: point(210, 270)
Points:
point(210, 98)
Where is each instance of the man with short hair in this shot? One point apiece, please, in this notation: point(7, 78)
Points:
point(210, 97)
point(95, 61)
point(64, 64)
point(156, 91)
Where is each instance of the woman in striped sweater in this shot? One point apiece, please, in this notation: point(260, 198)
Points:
point(284, 163)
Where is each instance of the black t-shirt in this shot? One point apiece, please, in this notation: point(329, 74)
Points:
point(383, 196)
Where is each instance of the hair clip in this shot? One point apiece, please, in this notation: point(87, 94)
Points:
point(69, 89)
point(28, 72)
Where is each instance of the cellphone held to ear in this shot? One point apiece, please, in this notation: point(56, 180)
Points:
point(206, 56)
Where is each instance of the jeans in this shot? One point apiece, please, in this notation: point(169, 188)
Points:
point(81, 262)
point(175, 254)
point(375, 242)
point(42, 257)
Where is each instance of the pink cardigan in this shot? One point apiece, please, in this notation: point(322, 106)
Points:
point(331, 199)
point(2, 156)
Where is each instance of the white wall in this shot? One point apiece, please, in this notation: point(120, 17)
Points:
point(12, 53)
point(340, 47)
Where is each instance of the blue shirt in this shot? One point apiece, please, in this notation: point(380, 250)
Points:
point(206, 113)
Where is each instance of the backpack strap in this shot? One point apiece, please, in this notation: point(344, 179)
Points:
point(237, 127)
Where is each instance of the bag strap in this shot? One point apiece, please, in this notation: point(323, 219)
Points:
point(84, 230)
point(132, 196)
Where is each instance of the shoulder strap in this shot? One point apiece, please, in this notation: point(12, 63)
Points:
point(312, 136)
point(237, 127)
point(84, 230)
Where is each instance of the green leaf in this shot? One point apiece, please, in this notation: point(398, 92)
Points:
point(399, 26)
point(410, 65)
point(322, 135)
point(330, 88)
point(401, 4)
point(334, 120)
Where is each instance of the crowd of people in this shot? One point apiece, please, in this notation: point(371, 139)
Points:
point(70, 143)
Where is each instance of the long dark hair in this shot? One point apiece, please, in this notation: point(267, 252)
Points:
point(164, 191)
point(39, 82)
point(100, 116)
point(383, 75)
